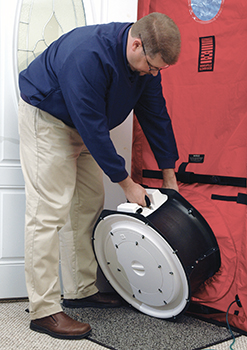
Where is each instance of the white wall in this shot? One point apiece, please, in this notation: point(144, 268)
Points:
point(104, 11)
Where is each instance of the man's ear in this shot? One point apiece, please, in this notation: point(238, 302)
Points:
point(136, 44)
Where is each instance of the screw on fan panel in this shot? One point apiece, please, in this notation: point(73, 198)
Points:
point(191, 211)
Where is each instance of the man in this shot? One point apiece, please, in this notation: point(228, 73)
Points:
point(83, 85)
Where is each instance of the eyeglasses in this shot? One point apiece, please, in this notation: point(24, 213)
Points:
point(150, 66)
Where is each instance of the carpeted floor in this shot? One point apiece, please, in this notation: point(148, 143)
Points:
point(126, 328)
point(15, 333)
point(122, 328)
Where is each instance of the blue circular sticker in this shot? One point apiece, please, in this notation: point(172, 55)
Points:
point(206, 10)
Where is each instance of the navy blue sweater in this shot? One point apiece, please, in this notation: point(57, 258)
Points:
point(84, 79)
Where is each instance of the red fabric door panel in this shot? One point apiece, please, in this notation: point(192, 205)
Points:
point(206, 94)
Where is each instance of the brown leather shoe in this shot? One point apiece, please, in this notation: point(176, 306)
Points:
point(61, 326)
point(100, 300)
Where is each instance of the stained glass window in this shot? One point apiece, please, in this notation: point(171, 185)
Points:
point(43, 21)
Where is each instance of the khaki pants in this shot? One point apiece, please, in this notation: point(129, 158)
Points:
point(64, 198)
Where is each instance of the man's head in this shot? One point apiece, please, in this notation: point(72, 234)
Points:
point(157, 38)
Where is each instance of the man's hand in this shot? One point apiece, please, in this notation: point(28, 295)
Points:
point(134, 192)
point(169, 179)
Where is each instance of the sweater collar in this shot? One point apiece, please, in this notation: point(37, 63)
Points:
point(122, 38)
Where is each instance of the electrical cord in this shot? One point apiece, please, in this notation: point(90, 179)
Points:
point(228, 325)
point(227, 321)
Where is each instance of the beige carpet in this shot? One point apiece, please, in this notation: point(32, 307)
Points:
point(16, 335)
point(240, 344)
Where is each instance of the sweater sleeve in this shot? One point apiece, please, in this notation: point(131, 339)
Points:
point(155, 121)
point(84, 83)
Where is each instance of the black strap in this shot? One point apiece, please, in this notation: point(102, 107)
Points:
point(152, 174)
point(241, 198)
point(190, 177)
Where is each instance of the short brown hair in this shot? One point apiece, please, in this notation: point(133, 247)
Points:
point(159, 34)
